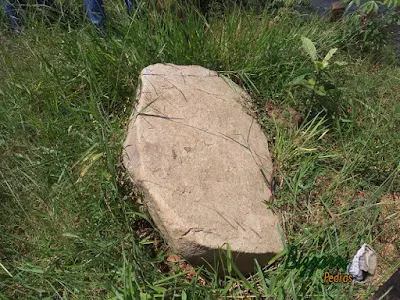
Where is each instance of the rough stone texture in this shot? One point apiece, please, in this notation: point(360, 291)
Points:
point(199, 159)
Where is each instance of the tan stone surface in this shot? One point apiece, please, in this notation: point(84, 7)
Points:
point(197, 155)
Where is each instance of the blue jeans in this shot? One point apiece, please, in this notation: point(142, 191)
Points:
point(13, 6)
point(12, 13)
point(96, 13)
point(94, 8)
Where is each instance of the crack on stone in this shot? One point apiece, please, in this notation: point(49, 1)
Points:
point(157, 184)
point(137, 112)
point(154, 108)
point(248, 134)
point(195, 230)
point(126, 153)
point(222, 136)
point(154, 88)
point(226, 220)
point(209, 73)
point(165, 99)
point(237, 142)
point(179, 192)
point(253, 154)
point(215, 96)
point(175, 67)
point(152, 127)
point(244, 229)
point(218, 96)
point(186, 75)
point(161, 96)
point(265, 178)
point(183, 95)
point(158, 116)
point(255, 233)
point(129, 145)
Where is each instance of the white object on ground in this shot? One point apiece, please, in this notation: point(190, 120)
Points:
point(364, 264)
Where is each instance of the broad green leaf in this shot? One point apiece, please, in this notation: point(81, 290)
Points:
point(183, 296)
point(299, 81)
point(309, 47)
point(376, 7)
point(388, 3)
point(370, 6)
point(329, 55)
point(144, 296)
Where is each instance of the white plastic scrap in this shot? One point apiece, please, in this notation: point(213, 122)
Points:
point(364, 264)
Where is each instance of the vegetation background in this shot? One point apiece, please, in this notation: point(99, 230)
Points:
point(73, 227)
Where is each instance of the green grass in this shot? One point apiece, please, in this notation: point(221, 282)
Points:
point(73, 227)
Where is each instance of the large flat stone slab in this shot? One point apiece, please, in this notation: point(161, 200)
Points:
point(202, 163)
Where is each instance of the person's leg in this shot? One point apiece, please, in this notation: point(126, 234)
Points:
point(10, 6)
point(95, 11)
point(129, 6)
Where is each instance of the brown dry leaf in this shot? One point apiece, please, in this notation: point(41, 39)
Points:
point(190, 270)
point(173, 258)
